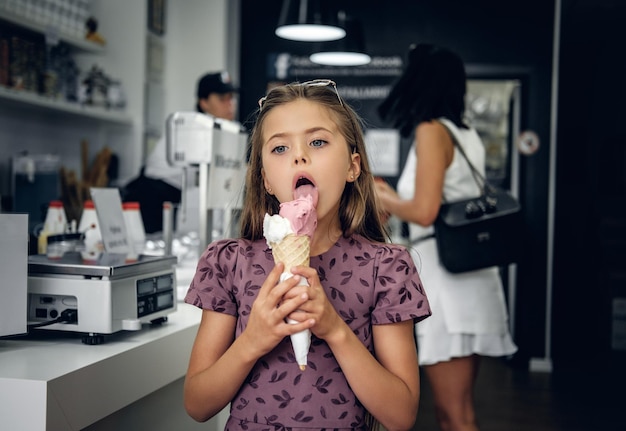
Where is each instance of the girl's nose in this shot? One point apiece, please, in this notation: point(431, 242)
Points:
point(300, 156)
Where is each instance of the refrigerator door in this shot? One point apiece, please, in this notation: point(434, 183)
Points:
point(493, 108)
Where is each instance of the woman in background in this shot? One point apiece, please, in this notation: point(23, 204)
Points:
point(469, 317)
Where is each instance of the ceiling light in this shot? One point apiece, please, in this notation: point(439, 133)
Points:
point(349, 51)
point(340, 58)
point(308, 21)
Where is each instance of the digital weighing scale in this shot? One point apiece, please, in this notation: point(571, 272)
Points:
point(105, 297)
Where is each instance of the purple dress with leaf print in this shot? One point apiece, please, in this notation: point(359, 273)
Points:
point(367, 283)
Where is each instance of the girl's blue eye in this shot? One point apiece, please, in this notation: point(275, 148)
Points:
point(279, 149)
point(318, 143)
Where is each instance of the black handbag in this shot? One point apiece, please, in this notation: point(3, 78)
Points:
point(481, 232)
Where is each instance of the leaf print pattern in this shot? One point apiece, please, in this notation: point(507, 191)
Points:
point(300, 417)
point(383, 280)
point(322, 275)
point(277, 377)
point(368, 284)
point(321, 385)
point(242, 403)
point(348, 316)
point(404, 267)
point(253, 379)
point(347, 275)
point(218, 305)
point(394, 317)
point(405, 295)
point(365, 259)
point(337, 294)
point(359, 297)
point(339, 401)
point(284, 399)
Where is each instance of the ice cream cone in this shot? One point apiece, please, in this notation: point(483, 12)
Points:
point(288, 234)
point(295, 250)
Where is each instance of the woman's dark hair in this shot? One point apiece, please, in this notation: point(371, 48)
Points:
point(432, 86)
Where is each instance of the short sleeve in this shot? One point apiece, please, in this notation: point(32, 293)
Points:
point(399, 292)
point(211, 287)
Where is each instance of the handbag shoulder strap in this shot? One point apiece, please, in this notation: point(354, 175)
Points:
point(480, 180)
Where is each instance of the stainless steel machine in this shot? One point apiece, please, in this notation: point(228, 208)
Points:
point(217, 148)
point(98, 299)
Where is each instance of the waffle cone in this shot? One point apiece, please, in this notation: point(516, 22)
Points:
point(293, 250)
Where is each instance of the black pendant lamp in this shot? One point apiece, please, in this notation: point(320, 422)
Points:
point(308, 21)
point(349, 51)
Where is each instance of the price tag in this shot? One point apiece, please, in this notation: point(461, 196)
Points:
point(108, 205)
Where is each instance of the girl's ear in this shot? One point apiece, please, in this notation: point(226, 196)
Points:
point(355, 167)
point(267, 186)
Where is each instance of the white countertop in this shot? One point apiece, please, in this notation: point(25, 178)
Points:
point(51, 380)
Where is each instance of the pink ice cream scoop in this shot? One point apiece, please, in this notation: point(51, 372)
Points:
point(301, 214)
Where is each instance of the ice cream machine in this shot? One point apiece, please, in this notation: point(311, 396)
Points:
point(217, 147)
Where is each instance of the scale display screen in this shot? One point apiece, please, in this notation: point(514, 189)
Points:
point(164, 283)
point(155, 294)
point(145, 287)
point(165, 300)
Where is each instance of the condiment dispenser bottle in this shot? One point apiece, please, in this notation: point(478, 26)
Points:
point(55, 223)
point(90, 227)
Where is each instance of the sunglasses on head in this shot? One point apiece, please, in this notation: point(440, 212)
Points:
point(314, 83)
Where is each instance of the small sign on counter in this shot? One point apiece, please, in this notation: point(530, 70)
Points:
point(108, 205)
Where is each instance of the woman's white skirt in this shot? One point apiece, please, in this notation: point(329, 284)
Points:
point(469, 313)
point(436, 344)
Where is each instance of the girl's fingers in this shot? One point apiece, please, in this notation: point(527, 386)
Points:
point(307, 272)
point(272, 290)
point(272, 278)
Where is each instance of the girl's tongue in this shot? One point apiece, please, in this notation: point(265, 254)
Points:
point(304, 190)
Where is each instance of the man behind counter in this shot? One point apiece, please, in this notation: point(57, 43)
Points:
point(159, 182)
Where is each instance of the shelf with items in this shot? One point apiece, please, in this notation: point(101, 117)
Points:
point(37, 101)
point(37, 67)
point(51, 32)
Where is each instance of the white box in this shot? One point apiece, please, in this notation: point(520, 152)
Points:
point(14, 270)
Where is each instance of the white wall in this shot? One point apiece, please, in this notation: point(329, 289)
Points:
point(123, 24)
point(195, 43)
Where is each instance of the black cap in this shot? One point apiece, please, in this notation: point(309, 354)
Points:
point(215, 82)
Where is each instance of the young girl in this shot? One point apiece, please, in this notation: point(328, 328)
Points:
point(363, 299)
